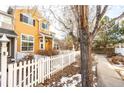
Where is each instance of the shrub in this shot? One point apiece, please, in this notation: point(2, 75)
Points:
point(29, 57)
point(41, 52)
point(48, 52)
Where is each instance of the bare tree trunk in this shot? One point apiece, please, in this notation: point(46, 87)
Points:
point(84, 56)
point(85, 48)
point(90, 73)
point(86, 59)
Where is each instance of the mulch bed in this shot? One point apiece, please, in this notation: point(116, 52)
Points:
point(116, 59)
point(73, 69)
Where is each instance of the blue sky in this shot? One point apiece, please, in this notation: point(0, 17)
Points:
point(114, 11)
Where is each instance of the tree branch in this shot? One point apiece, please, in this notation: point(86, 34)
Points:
point(60, 29)
point(59, 20)
point(106, 24)
point(103, 11)
point(99, 16)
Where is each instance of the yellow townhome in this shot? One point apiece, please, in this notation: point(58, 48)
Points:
point(32, 30)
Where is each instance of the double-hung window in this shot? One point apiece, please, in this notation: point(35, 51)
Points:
point(41, 43)
point(27, 43)
point(44, 26)
point(27, 19)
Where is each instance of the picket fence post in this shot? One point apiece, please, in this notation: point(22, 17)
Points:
point(20, 74)
point(38, 71)
point(51, 64)
point(35, 70)
point(47, 63)
point(32, 79)
point(15, 74)
point(29, 73)
point(42, 71)
point(3, 60)
point(10, 75)
point(45, 68)
point(49, 67)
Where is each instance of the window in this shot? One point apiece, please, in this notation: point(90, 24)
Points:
point(44, 26)
point(27, 43)
point(27, 19)
point(41, 43)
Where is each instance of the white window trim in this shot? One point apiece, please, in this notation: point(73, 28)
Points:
point(21, 42)
point(42, 43)
point(28, 17)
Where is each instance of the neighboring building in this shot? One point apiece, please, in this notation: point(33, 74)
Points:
point(32, 30)
point(6, 27)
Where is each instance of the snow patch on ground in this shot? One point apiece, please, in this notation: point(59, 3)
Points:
point(119, 68)
point(119, 65)
point(72, 81)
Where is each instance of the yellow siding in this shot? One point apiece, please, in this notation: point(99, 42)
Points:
point(23, 28)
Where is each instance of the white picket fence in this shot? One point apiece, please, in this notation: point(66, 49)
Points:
point(32, 72)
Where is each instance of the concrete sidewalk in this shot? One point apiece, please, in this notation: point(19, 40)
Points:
point(107, 76)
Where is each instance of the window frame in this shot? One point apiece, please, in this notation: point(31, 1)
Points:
point(26, 42)
point(29, 17)
point(42, 43)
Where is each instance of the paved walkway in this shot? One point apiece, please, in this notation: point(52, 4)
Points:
point(107, 76)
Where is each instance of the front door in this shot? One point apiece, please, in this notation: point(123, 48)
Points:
point(48, 44)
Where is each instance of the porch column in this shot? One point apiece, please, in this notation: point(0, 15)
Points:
point(44, 42)
point(4, 54)
point(52, 43)
point(15, 47)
